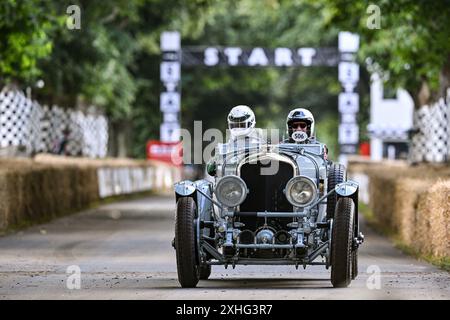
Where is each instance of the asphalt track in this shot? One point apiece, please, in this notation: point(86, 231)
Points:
point(123, 251)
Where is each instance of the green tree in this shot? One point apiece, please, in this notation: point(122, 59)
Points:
point(113, 60)
point(25, 37)
point(209, 93)
point(412, 46)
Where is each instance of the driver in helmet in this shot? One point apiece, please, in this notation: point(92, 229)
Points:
point(242, 132)
point(241, 126)
point(300, 126)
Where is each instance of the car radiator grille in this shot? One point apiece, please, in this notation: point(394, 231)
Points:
point(266, 191)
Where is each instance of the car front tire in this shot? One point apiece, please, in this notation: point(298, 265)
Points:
point(342, 243)
point(185, 243)
point(336, 175)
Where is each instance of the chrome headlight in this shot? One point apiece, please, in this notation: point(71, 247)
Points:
point(231, 191)
point(301, 191)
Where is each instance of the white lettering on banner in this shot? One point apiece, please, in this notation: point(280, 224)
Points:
point(170, 101)
point(211, 56)
point(258, 57)
point(233, 55)
point(348, 133)
point(348, 102)
point(169, 132)
point(306, 54)
point(283, 57)
point(162, 149)
point(170, 71)
point(348, 72)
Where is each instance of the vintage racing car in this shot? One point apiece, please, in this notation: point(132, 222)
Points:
point(282, 204)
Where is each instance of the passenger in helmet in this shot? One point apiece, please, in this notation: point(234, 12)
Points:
point(300, 127)
point(241, 126)
point(300, 120)
point(242, 132)
point(241, 121)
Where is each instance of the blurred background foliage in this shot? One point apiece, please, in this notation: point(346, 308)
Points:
point(113, 60)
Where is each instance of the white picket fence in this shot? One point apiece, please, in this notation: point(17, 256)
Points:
point(431, 142)
point(33, 128)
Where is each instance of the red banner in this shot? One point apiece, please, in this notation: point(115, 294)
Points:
point(169, 152)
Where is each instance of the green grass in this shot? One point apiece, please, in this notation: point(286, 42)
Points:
point(442, 263)
point(373, 222)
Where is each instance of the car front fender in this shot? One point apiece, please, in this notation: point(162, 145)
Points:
point(350, 189)
point(185, 188)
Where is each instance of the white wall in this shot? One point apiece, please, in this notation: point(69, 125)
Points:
point(389, 118)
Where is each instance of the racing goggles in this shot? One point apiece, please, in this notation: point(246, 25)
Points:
point(297, 125)
point(243, 125)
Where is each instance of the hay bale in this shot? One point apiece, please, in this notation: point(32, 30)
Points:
point(381, 190)
point(384, 195)
point(35, 190)
point(404, 214)
point(433, 215)
point(409, 202)
point(4, 201)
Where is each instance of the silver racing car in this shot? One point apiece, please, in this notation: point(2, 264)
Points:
point(281, 204)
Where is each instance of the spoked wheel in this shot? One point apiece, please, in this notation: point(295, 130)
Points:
point(185, 243)
point(342, 243)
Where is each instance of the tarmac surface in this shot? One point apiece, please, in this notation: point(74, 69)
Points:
point(123, 251)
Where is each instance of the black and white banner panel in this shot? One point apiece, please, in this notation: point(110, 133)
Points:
point(170, 74)
point(170, 71)
point(348, 133)
point(259, 57)
point(344, 57)
point(170, 102)
point(348, 74)
point(348, 102)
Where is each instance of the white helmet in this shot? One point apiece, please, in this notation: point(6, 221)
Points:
point(241, 120)
point(300, 114)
